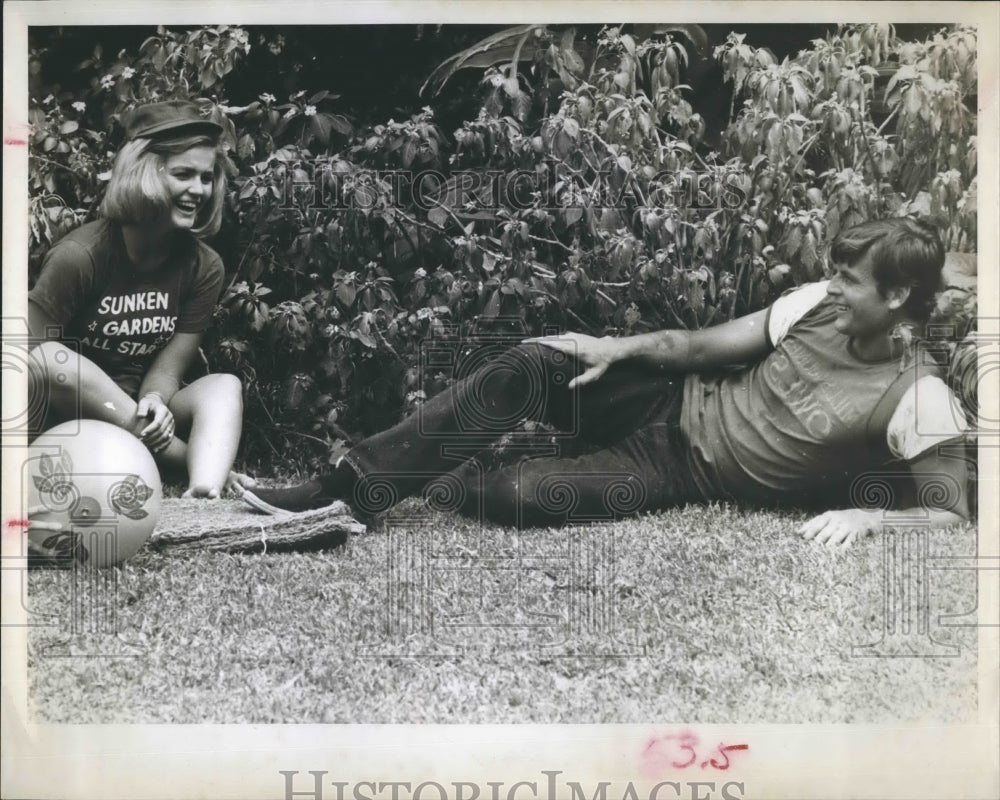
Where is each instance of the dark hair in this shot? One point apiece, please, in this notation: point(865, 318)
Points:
point(905, 252)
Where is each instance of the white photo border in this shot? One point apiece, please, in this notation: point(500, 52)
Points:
point(235, 761)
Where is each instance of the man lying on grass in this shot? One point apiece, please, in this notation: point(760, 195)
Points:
point(775, 408)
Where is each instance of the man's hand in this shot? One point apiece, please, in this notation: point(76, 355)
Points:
point(160, 431)
point(596, 355)
point(842, 528)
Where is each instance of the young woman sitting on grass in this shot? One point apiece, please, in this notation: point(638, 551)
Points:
point(133, 292)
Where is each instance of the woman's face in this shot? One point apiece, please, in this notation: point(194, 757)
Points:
point(189, 178)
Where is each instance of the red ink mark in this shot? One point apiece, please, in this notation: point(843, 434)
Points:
point(723, 749)
point(19, 523)
point(12, 141)
point(673, 751)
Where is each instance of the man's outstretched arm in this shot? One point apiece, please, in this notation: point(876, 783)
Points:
point(941, 482)
point(739, 341)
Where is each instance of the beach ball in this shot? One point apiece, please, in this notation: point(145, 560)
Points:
point(94, 493)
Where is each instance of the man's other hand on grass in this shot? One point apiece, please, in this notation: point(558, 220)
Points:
point(834, 528)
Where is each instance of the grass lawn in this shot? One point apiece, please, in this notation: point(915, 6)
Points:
point(697, 614)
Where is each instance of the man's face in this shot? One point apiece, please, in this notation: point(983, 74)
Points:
point(863, 312)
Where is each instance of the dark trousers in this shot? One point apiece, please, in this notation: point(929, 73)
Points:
point(627, 422)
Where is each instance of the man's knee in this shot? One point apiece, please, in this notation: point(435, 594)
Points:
point(544, 367)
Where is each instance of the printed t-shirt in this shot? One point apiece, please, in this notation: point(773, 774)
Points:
point(122, 318)
point(799, 418)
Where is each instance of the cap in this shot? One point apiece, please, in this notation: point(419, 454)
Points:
point(171, 115)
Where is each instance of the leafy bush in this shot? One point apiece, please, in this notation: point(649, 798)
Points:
point(582, 196)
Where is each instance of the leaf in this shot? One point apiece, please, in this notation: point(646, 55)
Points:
point(136, 513)
point(694, 34)
point(365, 338)
point(522, 105)
point(346, 293)
point(409, 151)
point(494, 49)
point(341, 124)
point(695, 295)
point(492, 308)
point(610, 220)
point(793, 241)
point(248, 190)
point(258, 319)
point(438, 216)
point(905, 73)
point(320, 127)
point(69, 126)
point(777, 274)
point(511, 86)
point(809, 255)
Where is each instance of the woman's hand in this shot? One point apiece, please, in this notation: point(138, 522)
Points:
point(160, 431)
point(596, 355)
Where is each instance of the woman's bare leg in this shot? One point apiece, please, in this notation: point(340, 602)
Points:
point(77, 388)
point(211, 408)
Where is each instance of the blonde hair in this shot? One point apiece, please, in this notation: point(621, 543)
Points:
point(136, 193)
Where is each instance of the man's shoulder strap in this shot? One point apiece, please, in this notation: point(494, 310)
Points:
point(878, 422)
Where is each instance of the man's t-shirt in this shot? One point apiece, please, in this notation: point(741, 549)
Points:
point(122, 318)
point(799, 419)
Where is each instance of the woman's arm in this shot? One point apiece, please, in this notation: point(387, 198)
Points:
point(164, 375)
point(160, 384)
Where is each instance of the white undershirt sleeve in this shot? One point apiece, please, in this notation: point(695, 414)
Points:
point(790, 308)
point(927, 414)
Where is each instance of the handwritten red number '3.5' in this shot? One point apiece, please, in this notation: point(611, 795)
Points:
point(679, 750)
